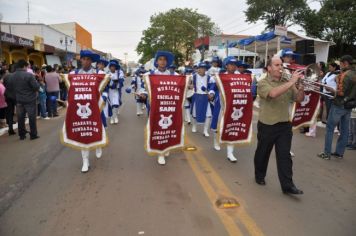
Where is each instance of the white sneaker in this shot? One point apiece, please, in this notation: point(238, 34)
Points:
point(161, 160)
point(194, 128)
point(116, 120)
point(98, 152)
point(310, 134)
point(206, 126)
point(217, 146)
point(230, 153)
point(292, 154)
point(111, 120)
point(216, 143)
point(166, 154)
point(232, 158)
point(46, 118)
point(85, 157)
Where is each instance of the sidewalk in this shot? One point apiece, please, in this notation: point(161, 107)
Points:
point(4, 130)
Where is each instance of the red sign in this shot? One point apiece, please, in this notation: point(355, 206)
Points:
point(83, 127)
point(236, 118)
point(306, 111)
point(165, 129)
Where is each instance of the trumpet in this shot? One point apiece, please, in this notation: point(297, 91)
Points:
point(310, 81)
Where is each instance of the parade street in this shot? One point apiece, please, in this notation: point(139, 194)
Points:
point(43, 192)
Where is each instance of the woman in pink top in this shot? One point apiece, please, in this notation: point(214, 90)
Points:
point(52, 85)
point(3, 105)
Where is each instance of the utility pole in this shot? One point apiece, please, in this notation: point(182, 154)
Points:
point(127, 66)
point(201, 38)
point(28, 12)
point(66, 44)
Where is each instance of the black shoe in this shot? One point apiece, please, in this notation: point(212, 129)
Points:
point(324, 156)
point(261, 181)
point(11, 132)
point(34, 137)
point(292, 190)
point(351, 147)
point(55, 115)
point(22, 137)
point(337, 155)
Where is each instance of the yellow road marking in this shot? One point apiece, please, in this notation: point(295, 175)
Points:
point(215, 187)
point(228, 222)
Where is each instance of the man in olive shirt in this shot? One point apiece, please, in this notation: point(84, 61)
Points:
point(274, 127)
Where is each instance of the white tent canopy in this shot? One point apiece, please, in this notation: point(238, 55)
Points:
point(321, 47)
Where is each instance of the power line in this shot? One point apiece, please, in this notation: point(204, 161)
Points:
point(249, 28)
point(237, 19)
point(117, 31)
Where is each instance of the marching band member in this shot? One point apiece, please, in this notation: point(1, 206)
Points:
point(161, 62)
point(214, 69)
point(288, 56)
point(172, 69)
point(101, 64)
point(114, 86)
point(230, 64)
point(243, 68)
point(203, 94)
point(190, 93)
point(137, 85)
point(274, 127)
point(87, 58)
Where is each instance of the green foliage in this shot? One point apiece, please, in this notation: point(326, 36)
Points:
point(274, 12)
point(335, 21)
point(169, 31)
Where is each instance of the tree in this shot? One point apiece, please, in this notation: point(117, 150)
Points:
point(274, 12)
point(170, 31)
point(335, 21)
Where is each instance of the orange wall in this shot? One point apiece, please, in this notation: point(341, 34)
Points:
point(83, 37)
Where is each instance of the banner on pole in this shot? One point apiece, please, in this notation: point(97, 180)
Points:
point(165, 126)
point(305, 112)
point(83, 128)
point(235, 124)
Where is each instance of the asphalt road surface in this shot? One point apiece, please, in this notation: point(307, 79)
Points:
point(43, 192)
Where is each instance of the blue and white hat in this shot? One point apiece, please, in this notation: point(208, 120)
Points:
point(87, 53)
point(215, 59)
point(172, 66)
point(140, 71)
point(188, 70)
point(114, 63)
point(203, 65)
point(242, 64)
point(103, 61)
point(168, 55)
point(230, 60)
point(289, 52)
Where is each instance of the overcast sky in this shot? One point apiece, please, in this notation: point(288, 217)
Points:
point(117, 25)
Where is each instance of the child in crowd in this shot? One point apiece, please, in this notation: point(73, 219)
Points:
point(42, 98)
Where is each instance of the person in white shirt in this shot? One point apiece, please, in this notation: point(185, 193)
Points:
point(203, 95)
point(230, 63)
point(161, 62)
point(114, 87)
point(214, 69)
point(87, 58)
